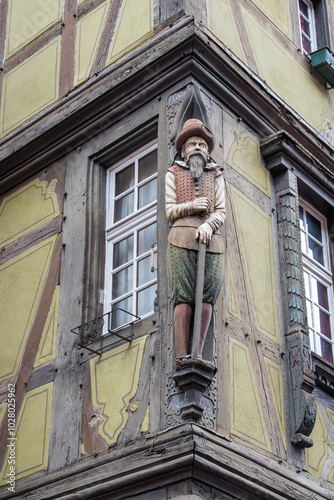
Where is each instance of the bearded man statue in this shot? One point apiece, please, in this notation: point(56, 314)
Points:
point(195, 205)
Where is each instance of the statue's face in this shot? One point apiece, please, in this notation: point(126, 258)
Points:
point(194, 144)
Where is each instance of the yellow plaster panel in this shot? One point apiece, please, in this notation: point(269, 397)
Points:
point(233, 306)
point(28, 19)
point(21, 283)
point(115, 378)
point(254, 229)
point(276, 387)
point(47, 346)
point(146, 422)
point(26, 209)
point(316, 456)
point(331, 476)
point(287, 78)
point(246, 415)
point(221, 23)
point(279, 13)
point(134, 26)
point(244, 156)
point(89, 31)
point(30, 87)
point(31, 446)
point(3, 407)
point(330, 414)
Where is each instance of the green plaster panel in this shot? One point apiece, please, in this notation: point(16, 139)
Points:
point(316, 456)
point(278, 12)
point(275, 379)
point(233, 305)
point(246, 415)
point(21, 283)
point(288, 79)
point(29, 18)
point(221, 23)
point(245, 157)
point(134, 26)
point(3, 408)
point(32, 434)
point(26, 209)
point(254, 228)
point(47, 346)
point(115, 377)
point(89, 30)
point(30, 87)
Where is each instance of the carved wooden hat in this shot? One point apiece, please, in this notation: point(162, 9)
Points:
point(194, 127)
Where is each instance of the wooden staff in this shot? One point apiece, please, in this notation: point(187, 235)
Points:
point(198, 299)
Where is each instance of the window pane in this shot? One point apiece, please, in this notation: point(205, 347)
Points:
point(122, 282)
point(124, 179)
point(325, 326)
point(326, 350)
point(306, 44)
point(147, 166)
point(303, 241)
point(146, 238)
point(124, 207)
point(305, 26)
point(307, 284)
point(144, 270)
point(147, 193)
point(309, 314)
point(315, 251)
point(123, 251)
point(314, 226)
point(301, 218)
point(145, 300)
point(322, 296)
point(303, 8)
point(120, 318)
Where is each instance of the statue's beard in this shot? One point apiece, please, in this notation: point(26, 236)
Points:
point(196, 162)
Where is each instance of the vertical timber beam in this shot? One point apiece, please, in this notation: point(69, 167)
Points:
point(275, 151)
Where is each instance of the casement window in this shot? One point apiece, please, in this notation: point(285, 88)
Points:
point(313, 25)
point(307, 26)
point(131, 235)
point(318, 280)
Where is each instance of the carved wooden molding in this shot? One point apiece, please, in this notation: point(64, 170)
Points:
point(283, 156)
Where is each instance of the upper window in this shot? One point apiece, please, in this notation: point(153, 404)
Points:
point(307, 26)
point(318, 280)
point(131, 233)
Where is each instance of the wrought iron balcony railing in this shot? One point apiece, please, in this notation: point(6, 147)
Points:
point(101, 327)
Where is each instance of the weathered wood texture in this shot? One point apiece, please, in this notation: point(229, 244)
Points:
point(181, 454)
point(68, 40)
point(65, 433)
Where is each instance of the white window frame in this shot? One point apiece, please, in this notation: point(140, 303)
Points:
point(311, 19)
point(321, 273)
point(131, 224)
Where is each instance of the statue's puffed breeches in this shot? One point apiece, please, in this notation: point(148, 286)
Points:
point(182, 267)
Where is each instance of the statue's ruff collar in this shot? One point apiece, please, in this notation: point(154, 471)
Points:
point(211, 165)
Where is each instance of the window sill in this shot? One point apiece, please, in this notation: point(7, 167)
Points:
point(324, 373)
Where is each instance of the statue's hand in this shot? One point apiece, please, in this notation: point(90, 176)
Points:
point(201, 205)
point(204, 233)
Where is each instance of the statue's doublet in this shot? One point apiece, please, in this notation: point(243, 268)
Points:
point(188, 189)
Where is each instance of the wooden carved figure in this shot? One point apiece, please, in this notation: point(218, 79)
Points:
point(195, 205)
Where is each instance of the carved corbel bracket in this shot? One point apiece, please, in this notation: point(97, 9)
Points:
point(281, 154)
point(194, 377)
